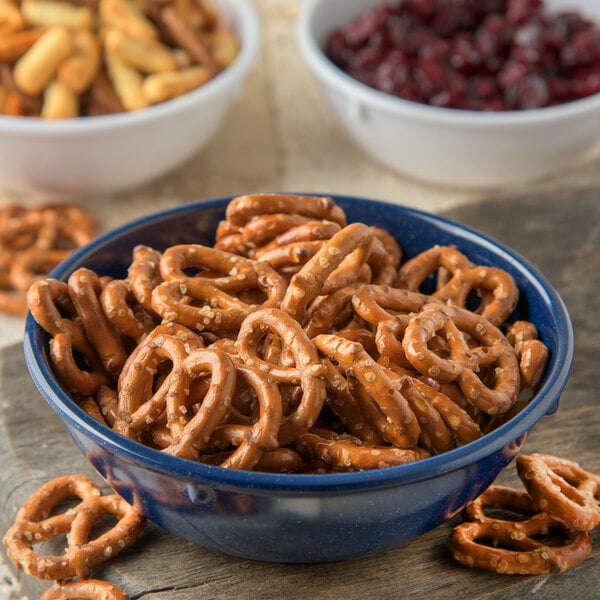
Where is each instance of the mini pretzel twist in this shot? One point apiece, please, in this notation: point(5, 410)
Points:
point(143, 389)
point(33, 240)
point(85, 288)
point(465, 363)
point(562, 489)
point(307, 372)
point(345, 451)
point(532, 353)
point(260, 438)
point(35, 523)
point(242, 208)
point(51, 306)
point(214, 308)
point(515, 545)
point(399, 425)
point(325, 272)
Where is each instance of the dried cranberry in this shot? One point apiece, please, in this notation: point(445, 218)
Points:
point(518, 11)
point(392, 74)
point(472, 54)
point(527, 92)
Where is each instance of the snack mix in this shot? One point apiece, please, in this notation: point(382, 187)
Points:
point(72, 58)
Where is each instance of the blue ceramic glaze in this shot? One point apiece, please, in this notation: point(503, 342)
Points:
point(306, 518)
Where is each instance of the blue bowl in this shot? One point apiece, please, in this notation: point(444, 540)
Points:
point(305, 518)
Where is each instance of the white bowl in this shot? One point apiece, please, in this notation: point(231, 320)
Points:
point(469, 149)
point(105, 154)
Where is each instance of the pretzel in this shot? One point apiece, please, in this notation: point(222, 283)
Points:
point(188, 38)
point(51, 306)
point(123, 312)
point(385, 257)
point(516, 547)
point(85, 288)
point(192, 432)
point(143, 275)
point(342, 256)
point(243, 208)
point(33, 240)
point(562, 489)
point(308, 371)
point(532, 353)
point(345, 451)
point(85, 589)
point(399, 425)
point(496, 286)
point(461, 427)
point(261, 438)
point(464, 362)
point(141, 401)
point(35, 523)
point(439, 261)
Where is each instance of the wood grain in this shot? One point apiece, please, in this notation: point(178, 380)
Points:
point(561, 236)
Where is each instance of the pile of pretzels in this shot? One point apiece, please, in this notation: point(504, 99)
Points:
point(297, 343)
point(33, 240)
point(71, 58)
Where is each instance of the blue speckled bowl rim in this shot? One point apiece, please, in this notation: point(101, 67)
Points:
point(554, 382)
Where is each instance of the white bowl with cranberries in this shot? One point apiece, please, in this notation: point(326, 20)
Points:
point(467, 94)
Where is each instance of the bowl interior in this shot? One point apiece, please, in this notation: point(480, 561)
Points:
point(110, 254)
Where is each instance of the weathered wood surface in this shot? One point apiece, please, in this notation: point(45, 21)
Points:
point(562, 237)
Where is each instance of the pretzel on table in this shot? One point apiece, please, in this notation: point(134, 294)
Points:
point(84, 589)
point(516, 547)
point(35, 523)
point(562, 489)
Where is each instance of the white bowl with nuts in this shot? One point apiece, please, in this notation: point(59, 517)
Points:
point(100, 97)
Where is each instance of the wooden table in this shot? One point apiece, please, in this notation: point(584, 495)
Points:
point(560, 234)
